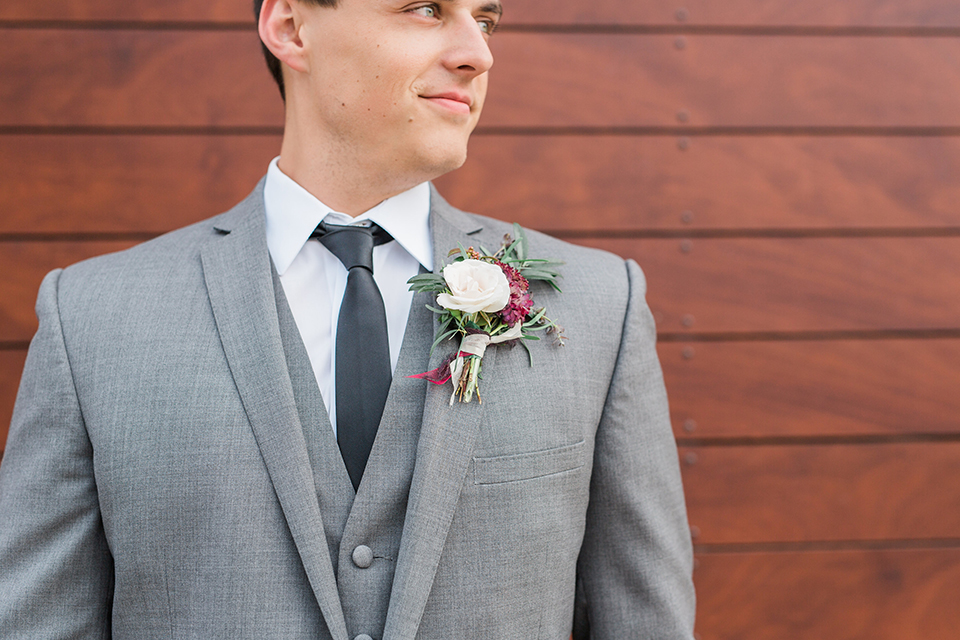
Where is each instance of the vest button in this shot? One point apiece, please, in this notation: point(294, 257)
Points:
point(363, 558)
point(363, 636)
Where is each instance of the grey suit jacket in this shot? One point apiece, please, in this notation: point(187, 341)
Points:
point(171, 473)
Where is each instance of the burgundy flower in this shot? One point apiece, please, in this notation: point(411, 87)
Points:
point(520, 301)
point(517, 310)
point(517, 282)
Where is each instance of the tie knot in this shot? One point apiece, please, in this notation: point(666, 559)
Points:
point(352, 244)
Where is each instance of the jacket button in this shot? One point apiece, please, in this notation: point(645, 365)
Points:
point(363, 636)
point(363, 558)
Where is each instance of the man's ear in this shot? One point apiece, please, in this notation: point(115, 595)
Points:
point(279, 28)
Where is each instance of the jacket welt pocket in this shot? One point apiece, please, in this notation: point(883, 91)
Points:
point(526, 466)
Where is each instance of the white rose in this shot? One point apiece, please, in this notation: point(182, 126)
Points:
point(475, 286)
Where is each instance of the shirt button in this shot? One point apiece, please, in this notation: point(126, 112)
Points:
point(363, 636)
point(363, 558)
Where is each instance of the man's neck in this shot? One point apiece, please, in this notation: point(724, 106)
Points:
point(344, 182)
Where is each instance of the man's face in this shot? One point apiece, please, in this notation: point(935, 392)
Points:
point(395, 84)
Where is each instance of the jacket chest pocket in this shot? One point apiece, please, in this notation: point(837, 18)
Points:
point(527, 466)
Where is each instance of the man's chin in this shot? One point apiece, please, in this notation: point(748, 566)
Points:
point(438, 161)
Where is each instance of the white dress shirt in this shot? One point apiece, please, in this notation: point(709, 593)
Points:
point(314, 279)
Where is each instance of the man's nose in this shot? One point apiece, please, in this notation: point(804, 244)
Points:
point(469, 52)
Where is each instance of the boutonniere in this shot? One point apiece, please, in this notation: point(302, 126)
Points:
point(484, 298)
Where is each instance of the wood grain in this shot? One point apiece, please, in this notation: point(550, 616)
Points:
point(642, 80)
point(738, 12)
point(23, 265)
point(812, 388)
point(127, 77)
point(202, 78)
point(798, 284)
point(906, 594)
point(214, 11)
point(81, 183)
point(615, 183)
point(929, 13)
point(11, 364)
point(118, 183)
point(803, 493)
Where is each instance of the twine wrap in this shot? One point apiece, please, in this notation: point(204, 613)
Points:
point(463, 374)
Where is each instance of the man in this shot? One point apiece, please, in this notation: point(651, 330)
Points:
point(179, 461)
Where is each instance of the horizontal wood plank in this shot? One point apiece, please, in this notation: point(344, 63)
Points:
point(812, 388)
point(707, 285)
point(803, 493)
point(131, 78)
point(832, 595)
point(65, 183)
point(140, 183)
point(640, 80)
point(203, 78)
point(23, 265)
point(885, 13)
point(798, 284)
point(213, 11)
point(616, 183)
point(11, 364)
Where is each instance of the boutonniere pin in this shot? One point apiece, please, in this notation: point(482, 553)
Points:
point(484, 298)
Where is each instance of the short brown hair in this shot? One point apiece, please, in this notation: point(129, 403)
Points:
point(272, 63)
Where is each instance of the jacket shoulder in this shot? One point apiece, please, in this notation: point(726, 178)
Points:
point(166, 255)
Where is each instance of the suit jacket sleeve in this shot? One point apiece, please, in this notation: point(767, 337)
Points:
point(635, 566)
point(56, 573)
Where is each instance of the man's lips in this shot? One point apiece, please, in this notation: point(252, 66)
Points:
point(456, 102)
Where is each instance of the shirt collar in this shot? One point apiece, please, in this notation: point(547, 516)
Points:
point(293, 213)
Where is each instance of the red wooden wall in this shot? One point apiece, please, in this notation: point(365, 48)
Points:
point(787, 173)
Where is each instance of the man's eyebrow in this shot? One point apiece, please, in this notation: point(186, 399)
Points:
point(490, 7)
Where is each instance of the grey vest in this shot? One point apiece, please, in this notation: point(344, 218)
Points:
point(374, 517)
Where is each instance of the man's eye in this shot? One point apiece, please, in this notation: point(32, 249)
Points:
point(428, 11)
point(487, 26)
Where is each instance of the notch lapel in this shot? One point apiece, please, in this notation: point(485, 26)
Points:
point(237, 272)
point(447, 438)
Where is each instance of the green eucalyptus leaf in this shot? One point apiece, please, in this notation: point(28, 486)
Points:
point(527, 349)
point(535, 319)
point(522, 246)
point(441, 338)
point(539, 274)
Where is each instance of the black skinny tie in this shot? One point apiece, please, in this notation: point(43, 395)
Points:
point(363, 371)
